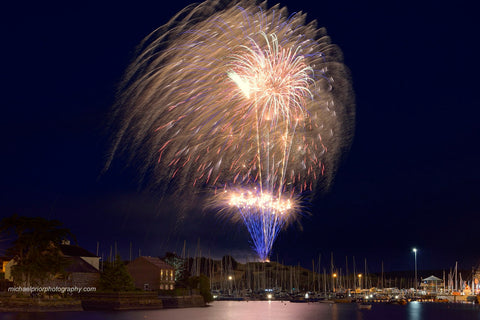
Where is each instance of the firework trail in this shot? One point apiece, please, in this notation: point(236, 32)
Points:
point(241, 99)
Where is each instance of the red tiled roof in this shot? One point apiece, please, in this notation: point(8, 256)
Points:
point(157, 262)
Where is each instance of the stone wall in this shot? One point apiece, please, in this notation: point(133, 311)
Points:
point(121, 301)
point(137, 300)
point(183, 301)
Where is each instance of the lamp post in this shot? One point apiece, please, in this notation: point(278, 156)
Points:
point(360, 281)
point(334, 279)
point(230, 287)
point(415, 252)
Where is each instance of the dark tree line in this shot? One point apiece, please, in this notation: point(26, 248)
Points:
point(35, 248)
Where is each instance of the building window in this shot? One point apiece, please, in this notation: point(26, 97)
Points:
point(171, 287)
point(161, 287)
point(146, 287)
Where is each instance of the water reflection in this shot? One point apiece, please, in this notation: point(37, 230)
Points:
point(359, 315)
point(334, 310)
point(275, 310)
point(414, 310)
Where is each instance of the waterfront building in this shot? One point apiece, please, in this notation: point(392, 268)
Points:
point(81, 270)
point(432, 284)
point(151, 273)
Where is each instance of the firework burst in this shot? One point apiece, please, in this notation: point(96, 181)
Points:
point(244, 100)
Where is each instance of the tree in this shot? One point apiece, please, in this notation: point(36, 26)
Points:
point(181, 272)
point(204, 286)
point(202, 283)
point(35, 249)
point(115, 277)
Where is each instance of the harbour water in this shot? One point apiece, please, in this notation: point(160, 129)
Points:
point(226, 310)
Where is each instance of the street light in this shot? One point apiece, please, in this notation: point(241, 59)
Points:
point(230, 289)
point(415, 252)
point(334, 282)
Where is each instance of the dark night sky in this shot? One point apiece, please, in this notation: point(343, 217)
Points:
point(411, 178)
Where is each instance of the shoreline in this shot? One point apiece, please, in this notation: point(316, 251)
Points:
point(100, 302)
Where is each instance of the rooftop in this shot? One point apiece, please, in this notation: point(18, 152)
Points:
point(75, 251)
point(157, 262)
point(77, 264)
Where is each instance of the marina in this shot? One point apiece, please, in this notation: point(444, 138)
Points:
point(259, 281)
